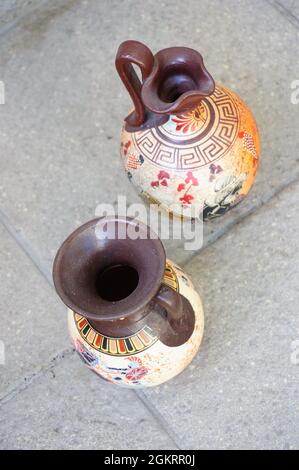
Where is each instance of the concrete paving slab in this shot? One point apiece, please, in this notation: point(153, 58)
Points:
point(288, 8)
point(71, 408)
point(241, 391)
point(64, 102)
point(11, 10)
point(33, 320)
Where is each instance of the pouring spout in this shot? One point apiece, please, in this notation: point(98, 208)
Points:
point(177, 82)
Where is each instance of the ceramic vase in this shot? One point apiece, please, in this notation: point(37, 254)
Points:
point(134, 317)
point(190, 146)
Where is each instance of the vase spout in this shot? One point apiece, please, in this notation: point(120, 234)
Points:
point(178, 81)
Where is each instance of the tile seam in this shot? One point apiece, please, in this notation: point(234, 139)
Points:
point(284, 12)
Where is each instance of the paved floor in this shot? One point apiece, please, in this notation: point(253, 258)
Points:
point(59, 138)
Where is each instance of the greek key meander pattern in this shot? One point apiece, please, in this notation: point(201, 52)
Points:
point(211, 143)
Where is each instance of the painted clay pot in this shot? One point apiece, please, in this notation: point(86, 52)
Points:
point(189, 145)
point(134, 317)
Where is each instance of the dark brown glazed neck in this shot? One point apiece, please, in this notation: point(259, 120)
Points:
point(177, 83)
point(110, 270)
point(101, 244)
point(174, 81)
point(172, 331)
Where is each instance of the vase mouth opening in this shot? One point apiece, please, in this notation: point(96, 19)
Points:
point(178, 81)
point(175, 83)
point(116, 282)
point(103, 272)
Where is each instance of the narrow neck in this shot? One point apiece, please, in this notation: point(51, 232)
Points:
point(178, 82)
point(151, 120)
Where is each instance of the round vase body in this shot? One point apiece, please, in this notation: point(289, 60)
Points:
point(199, 163)
point(141, 359)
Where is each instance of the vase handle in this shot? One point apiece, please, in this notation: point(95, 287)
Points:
point(134, 52)
point(180, 316)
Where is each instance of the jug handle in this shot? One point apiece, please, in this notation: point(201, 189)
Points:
point(134, 52)
point(180, 315)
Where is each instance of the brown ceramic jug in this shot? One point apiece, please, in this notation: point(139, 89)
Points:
point(189, 145)
point(134, 317)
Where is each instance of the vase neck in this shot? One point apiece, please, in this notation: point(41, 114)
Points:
point(173, 81)
point(104, 272)
point(178, 82)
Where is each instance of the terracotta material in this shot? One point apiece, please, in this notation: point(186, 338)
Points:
point(189, 145)
point(134, 317)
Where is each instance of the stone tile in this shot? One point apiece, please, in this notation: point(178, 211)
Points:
point(33, 320)
point(71, 408)
point(241, 389)
point(65, 103)
point(288, 7)
point(11, 10)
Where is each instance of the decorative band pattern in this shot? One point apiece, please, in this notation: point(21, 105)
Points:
point(128, 345)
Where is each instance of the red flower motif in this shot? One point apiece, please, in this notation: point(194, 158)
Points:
point(190, 177)
point(136, 373)
point(164, 183)
point(186, 199)
point(241, 134)
point(154, 184)
point(180, 187)
point(163, 174)
point(190, 121)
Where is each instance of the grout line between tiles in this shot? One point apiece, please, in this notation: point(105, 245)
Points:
point(254, 209)
point(41, 8)
point(29, 10)
point(35, 259)
point(160, 418)
point(27, 381)
point(287, 14)
point(19, 238)
point(44, 271)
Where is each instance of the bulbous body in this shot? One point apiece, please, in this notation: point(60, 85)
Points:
point(188, 145)
point(141, 359)
point(134, 317)
point(199, 163)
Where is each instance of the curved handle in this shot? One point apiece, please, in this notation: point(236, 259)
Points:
point(134, 52)
point(172, 302)
point(180, 316)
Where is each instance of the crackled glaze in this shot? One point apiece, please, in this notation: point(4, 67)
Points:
point(140, 360)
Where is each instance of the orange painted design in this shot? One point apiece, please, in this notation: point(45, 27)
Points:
point(220, 133)
point(121, 346)
point(191, 121)
point(133, 162)
point(116, 346)
point(140, 341)
point(170, 278)
point(82, 323)
point(98, 341)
